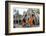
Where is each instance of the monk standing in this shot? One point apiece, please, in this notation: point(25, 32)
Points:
point(32, 20)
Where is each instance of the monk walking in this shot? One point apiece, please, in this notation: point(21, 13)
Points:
point(32, 20)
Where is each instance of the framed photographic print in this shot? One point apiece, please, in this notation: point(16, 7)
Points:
point(24, 17)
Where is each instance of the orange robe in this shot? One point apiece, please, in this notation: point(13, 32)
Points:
point(31, 21)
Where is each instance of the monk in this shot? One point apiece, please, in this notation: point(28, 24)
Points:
point(32, 20)
point(23, 22)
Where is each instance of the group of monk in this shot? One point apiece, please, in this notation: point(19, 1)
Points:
point(30, 21)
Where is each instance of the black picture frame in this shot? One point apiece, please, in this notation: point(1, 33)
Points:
point(6, 18)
